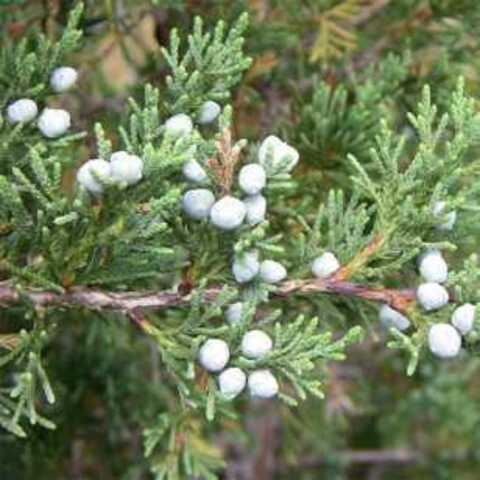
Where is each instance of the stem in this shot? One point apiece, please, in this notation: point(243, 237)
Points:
point(388, 456)
point(129, 302)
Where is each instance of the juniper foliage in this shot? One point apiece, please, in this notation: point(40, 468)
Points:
point(379, 148)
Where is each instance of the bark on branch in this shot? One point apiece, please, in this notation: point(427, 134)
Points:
point(398, 456)
point(95, 299)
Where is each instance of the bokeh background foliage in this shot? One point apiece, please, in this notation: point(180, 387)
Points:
point(323, 74)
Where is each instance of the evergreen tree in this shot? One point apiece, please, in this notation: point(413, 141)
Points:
point(238, 239)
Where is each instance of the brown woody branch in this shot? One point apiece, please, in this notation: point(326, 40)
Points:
point(400, 456)
point(129, 302)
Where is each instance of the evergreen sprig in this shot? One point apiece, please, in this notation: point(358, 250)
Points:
point(25, 67)
point(128, 251)
point(209, 69)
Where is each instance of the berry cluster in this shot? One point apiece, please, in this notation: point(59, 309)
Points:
point(229, 212)
point(444, 339)
point(52, 122)
point(123, 169)
point(214, 355)
point(248, 267)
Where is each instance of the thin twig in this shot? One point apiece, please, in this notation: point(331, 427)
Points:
point(368, 457)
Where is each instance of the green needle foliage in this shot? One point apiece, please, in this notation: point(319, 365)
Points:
point(110, 290)
point(212, 65)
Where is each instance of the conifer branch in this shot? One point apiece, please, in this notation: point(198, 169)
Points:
point(95, 299)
